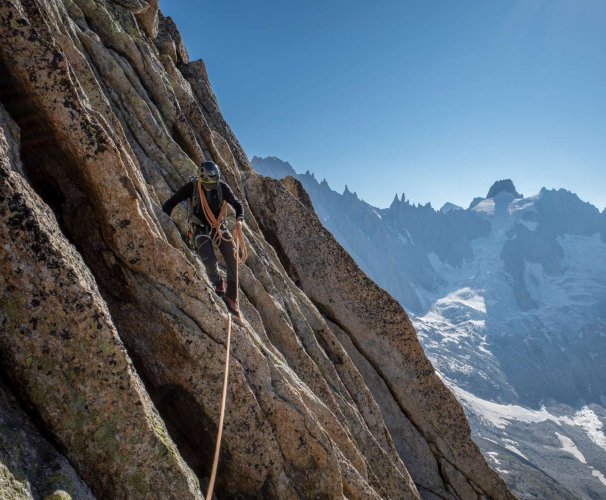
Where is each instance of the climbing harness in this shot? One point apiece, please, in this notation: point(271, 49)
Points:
point(215, 225)
point(241, 254)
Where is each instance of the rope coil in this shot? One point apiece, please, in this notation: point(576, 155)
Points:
point(240, 249)
point(213, 222)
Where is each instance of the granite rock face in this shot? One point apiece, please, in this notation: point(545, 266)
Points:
point(61, 350)
point(111, 336)
point(30, 467)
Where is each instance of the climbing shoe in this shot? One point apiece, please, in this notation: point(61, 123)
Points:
point(220, 287)
point(232, 306)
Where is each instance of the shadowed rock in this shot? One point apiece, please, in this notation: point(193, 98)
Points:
point(30, 467)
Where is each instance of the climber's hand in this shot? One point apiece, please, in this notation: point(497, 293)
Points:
point(238, 226)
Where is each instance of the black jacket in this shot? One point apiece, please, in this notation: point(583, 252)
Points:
point(212, 196)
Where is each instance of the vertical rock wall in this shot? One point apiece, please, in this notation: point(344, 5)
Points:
point(111, 335)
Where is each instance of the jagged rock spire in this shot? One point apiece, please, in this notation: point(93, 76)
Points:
point(395, 202)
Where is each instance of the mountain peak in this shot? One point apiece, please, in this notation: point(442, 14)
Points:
point(347, 192)
point(449, 207)
point(503, 186)
point(396, 202)
point(273, 167)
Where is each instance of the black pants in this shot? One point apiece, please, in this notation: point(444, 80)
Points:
point(202, 241)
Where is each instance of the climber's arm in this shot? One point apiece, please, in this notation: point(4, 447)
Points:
point(181, 195)
point(230, 197)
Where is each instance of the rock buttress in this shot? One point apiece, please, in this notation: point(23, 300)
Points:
point(375, 329)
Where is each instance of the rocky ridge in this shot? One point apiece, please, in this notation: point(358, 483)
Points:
point(515, 326)
point(111, 337)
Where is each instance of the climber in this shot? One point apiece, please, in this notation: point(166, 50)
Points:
point(203, 235)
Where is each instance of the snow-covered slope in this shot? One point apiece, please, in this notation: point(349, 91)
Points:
point(530, 305)
point(509, 301)
point(524, 321)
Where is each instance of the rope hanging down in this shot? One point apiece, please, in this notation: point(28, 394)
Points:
point(213, 473)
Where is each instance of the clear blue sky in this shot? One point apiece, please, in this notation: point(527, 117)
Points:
point(434, 98)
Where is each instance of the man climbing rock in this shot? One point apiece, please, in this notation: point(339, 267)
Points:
point(207, 195)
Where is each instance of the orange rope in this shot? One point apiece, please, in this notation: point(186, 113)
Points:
point(215, 224)
point(213, 474)
point(240, 248)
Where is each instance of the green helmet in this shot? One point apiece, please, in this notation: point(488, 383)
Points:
point(209, 174)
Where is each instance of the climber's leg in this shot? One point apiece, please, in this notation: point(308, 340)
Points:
point(204, 248)
point(227, 249)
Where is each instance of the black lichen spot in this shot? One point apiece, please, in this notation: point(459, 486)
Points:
point(97, 318)
point(128, 185)
point(96, 135)
point(58, 58)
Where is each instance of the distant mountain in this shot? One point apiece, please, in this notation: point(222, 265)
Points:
point(509, 301)
point(503, 186)
point(274, 167)
point(393, 252)
point(449, 207)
